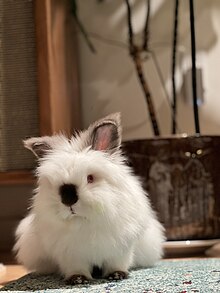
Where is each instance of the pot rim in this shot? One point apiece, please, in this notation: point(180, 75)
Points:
point(175, 136)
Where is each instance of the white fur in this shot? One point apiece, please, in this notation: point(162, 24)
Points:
point(113, 227)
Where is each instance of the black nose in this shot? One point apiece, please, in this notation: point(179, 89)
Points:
point(68, 194)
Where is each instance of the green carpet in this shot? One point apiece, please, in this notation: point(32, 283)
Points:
point(182, 276)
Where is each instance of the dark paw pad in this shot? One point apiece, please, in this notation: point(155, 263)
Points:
point(77, 280)
point(118, 275)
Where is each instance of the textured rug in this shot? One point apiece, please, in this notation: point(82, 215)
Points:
point(168, 276)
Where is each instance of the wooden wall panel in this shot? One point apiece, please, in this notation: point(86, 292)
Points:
point(57, 67)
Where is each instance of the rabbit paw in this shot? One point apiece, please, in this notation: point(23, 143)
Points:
point(77, 280)
point(117, 275)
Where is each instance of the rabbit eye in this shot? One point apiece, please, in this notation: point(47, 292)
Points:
point(90, 178)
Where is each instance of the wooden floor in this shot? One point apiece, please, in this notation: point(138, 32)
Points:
point(11, 273)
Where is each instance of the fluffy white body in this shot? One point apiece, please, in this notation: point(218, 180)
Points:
point(111, 225)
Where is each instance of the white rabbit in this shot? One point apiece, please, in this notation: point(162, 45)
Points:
point(89, 210)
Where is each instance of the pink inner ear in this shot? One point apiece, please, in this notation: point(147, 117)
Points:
point(103, 138)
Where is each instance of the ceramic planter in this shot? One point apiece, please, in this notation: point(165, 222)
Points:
point(182, 177)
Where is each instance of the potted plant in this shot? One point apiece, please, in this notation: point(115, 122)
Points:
point(180, 172)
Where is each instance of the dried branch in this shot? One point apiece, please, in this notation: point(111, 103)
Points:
point(74, 11)
point(130, 29)
point(135, 52)
point(193, 56)
point(175, 39)
point(146, 28)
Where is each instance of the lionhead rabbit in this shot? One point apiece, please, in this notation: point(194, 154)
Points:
point(89, 210)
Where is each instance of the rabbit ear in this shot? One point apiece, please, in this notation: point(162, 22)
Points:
point(38, 145)
point(41, 145)
point(106, 133)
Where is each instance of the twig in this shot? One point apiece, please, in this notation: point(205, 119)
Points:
point(130, 29)
point(159, 72)
point(74, 11)
point(108, 41)
point(175, 39)
point(193, 55)
point(135, 52)
point(146, 28)
point(84, 33)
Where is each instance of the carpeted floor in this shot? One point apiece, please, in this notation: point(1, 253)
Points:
point(168, 276)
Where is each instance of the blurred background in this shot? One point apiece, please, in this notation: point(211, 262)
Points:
point(109, 82)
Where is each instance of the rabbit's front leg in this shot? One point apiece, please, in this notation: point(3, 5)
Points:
point(75, 270)
point(116, 268)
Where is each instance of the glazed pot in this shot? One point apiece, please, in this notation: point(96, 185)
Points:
point(182, 176)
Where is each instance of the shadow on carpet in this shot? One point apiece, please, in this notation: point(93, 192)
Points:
point(168, 276)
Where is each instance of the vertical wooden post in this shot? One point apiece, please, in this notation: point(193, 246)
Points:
point(57, 67)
